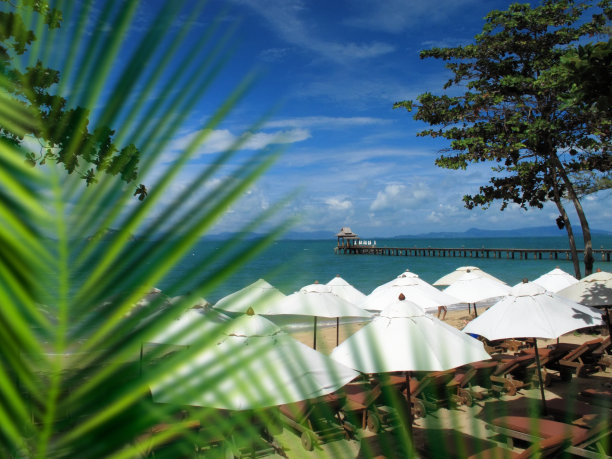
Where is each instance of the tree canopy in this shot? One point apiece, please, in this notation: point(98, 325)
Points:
point(513, 100)
point(62, 131)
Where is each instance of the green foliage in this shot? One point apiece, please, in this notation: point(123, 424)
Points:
point(63, 133)
point(510, 106)
point(71, 384)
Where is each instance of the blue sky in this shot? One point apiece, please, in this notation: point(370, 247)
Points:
point(332, 70)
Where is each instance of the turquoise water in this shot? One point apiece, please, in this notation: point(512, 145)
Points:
point(289, 265)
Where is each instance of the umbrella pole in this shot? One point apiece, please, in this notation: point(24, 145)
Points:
point(409, 398)
point(537, 356)
point(337, 331)
point(475, 312)
point(314, 341)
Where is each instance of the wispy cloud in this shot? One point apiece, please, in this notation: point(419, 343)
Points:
point(290, 20)
point(326, 122)
point(222, 139)
point(395, 16)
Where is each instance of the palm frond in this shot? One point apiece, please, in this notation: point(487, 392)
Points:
point(69, 380)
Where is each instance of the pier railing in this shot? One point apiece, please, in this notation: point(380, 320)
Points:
point(521, 254)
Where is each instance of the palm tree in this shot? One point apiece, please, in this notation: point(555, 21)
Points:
point(71, 384)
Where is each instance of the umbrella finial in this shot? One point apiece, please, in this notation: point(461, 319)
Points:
point(468, 270)
point(250, 311)
point(316, 282)
point(525, 280)
point(401, 297)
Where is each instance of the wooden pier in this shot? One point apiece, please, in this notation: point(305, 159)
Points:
point(520, 254)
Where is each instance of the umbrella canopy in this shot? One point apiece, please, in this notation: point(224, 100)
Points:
point(316, 300)
point(456, 274)
point(406, 273)
point(555, 280)
point(259, 295)
point(404, 338)
point(255, 365)
point(416, 290)
point(592, 290)
point(345, 290)
point(473, 287)
point(531, 311)
point(198, 303)
point(192, 327)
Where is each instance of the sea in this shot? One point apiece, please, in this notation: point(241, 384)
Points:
point(291, 264)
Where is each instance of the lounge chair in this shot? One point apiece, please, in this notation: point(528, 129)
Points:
point(584, 442)
point(430, 391)
point(316, 420)
point(597, 396)
point(511, 373)
point(549, 359)
point(169, 438)
point(576, 412)
point(543, 448)
point(359, 408)
point(581, 358)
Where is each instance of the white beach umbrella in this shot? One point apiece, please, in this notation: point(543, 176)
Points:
point(259, 295)
point(531, 311)
point(592, 290)
point(457, 273)
point(254, 365)
point(555, 280)
point(198, 303)
point(191, 327)
point(473, 287)
point(415, 289)
point(404, 338)
point(406, 273)
point(345, 290)
point(316, 300)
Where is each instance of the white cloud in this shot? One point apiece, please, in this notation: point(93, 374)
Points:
point(328, 122)
point(338, 204)
point(388, 197)
point(398, 196)
point(394, 16)
point(289, 18)
point(220, 140)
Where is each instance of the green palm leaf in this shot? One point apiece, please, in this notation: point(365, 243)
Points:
point(71, 383)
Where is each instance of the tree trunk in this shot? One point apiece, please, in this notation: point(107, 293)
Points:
point(568, 227)
point(586, 232)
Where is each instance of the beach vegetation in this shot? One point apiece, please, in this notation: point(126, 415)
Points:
point(530, 95)
point(77, 313)
point(66, 133)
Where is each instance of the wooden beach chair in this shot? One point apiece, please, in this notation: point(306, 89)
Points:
point(548, 447)
point(601, 396)
point(580, 358)
point(576, 412)
point(317, 420)
point(590, 442)
point(430, 391)
point(360, 409)
point(549, 359)
point(511, 373)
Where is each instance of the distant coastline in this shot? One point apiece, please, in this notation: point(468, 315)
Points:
point(541, 231)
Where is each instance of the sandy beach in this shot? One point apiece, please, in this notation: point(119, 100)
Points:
point(455, 432)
